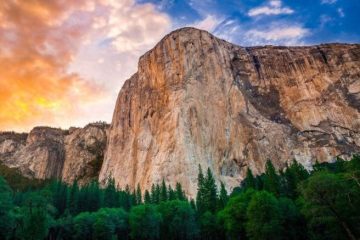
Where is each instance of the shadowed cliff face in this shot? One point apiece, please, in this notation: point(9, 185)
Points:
point(198, 100)
point(74, 154)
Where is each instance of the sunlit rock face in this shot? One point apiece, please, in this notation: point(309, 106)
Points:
point(74, 154)
point(198, 100)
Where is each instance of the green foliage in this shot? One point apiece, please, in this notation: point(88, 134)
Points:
point(293, 175)
point(83, 226)
point(155, 194)
point(72, 196)
point(208, 226)
point(17, 181)
point(145, 222)
point(35, 218)
point(111, 197)
point(6, 218)
point(138, 195)
point(292, 221)
point(331, 206)
point(250, 181)
point(291, 203)
point(111, 222)
point(223, 196)
point(178, 220)
point(180, 194)
point(264, 217)
point(164, 192)
point(234, 216)
point(105, 224)
point(206, 198)
point(271, 179)
point(147, 197)
point(171, 194)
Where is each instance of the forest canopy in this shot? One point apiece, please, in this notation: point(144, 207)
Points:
point(292, 203)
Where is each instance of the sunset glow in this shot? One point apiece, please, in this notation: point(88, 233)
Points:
point(62, 62)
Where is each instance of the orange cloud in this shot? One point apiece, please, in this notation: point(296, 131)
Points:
point(38, 39)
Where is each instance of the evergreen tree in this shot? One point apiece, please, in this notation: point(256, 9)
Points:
point(157, 194)
point(193, 204)
point(6, 203)
point(127, 198)
point(271, 181)
point(208, 226)
point(211, 192)
point(201, 193)
point(94, 197)
point(133, 199)
point(171, 194)
point(293, 175)
point(164, 192)
point(153, 194)
point(180, 194)
point(35, 220)
point(59, 196)
point(147, 197)
point(206, 198)
point(73, 198)
point(110, 195)
point(223, 197)
point(249, 181)
point(138, 195)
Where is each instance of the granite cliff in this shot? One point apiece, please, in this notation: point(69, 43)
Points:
point(47, 152)
point(198, 100)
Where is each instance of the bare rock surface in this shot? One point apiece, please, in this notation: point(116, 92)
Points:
point(198, 100)
point(44, 153)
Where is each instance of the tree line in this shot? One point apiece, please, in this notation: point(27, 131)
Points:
point(292, 203)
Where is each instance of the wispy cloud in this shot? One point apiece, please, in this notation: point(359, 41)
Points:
point(134, 27)
point(209, 23)
point(341, 12)
point(278, 34)
point(272, 8)
point(122, 32)
point(328, 1)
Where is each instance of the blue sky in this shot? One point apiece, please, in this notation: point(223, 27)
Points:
point(254, 22)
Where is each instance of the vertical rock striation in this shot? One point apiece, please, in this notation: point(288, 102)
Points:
point(198, 100)
point(74, 154)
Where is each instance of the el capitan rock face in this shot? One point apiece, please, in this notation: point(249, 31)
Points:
point(47, 152)
point(198, 100)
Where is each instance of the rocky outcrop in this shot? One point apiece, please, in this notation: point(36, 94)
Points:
point(84, 153)
point(198, 100)
point(46, 152)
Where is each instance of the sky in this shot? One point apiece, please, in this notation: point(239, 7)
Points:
point(63, 62)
